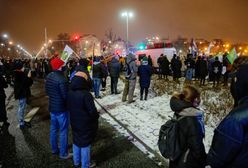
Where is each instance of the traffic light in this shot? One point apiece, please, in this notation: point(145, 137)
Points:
point(76, 37)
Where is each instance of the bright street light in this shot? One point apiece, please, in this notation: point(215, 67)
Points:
point(10, 43)
point(5, 36)
point(127, 15)
point(2, 44)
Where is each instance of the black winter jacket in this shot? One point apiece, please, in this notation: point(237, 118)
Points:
point(3, 84)
point(97, 70)
point(114, 68)
point(229, 147)
point(57, 90)
point(83, 113)
point(21, 84)
point(190, 136)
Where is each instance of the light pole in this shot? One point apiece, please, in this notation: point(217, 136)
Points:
point(128, 15)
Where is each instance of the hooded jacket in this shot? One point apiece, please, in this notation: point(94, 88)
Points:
point(83, 112)
point(230, 142)
point(131, 64)
point(190, 135)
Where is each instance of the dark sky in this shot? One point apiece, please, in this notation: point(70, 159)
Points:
point(25, 20)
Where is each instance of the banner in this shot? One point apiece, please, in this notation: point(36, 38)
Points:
point(66, 53)
point(232, 56)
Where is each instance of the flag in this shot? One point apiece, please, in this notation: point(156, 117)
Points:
point(193, 47)
point(232, 56)
point(66, 53)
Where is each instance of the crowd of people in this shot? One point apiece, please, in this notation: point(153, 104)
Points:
point(199, 68)
point(69, 88)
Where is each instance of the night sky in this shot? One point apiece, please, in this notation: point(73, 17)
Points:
point(25, 20)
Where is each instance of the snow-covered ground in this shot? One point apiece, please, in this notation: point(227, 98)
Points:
point(143, 118)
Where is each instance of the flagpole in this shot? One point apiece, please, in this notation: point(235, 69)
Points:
point(93, 54)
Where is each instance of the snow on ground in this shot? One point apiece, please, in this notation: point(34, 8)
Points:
point(143, 118)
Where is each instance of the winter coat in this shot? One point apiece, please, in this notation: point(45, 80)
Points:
point(83, 112)
point(131, 64)
point(191, 133)
point(189, 63)
point(145, 72)
point(198, 67)
point(22, 84)
point(165, 66)
point(3, 84)
point(230, 141)
point(216, 68)
point(176, 66)
point(114, 68)
point(104, 70)
point(203, 68)
point(97, 70)
point(57, 90)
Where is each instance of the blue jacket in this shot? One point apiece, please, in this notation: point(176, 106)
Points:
point(56, 89)
point(145, 72)
point(83, 113)
point(229, 147)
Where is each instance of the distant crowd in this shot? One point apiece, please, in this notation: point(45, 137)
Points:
point(69, 86)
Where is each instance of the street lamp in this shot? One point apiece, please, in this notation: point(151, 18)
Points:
point(5, 36)
point(128, 15)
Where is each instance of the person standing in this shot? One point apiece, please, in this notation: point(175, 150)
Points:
point(97, 76)
point(83, 117)
point(131, 75)
point(3, 113)
point(114, 71)
point(191, 130)
point(203, 68)
point(165, 67)
point(22, 83)
point(216, 70)
point(144, 72)
point(159, 62)
point(230, 141)
point(57, 89)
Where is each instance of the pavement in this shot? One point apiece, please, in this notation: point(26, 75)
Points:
point(30, 148)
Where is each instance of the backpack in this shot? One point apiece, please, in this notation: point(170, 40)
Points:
point(168, 142)
point(128, 70)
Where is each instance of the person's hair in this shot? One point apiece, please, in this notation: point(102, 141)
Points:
point(189, 93)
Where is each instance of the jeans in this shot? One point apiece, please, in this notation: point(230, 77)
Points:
point(189, 74)
point(21, 110)
point(81, 155)
point(97, 83)
point(59, 122)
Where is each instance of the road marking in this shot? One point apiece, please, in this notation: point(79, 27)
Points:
point(29, 116)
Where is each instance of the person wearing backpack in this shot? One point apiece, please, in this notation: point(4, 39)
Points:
point(216, 68)
point(191, 130)
point(130, 82)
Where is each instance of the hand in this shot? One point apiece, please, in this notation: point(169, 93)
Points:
point(29, 74)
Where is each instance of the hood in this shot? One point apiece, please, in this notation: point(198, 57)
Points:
point(114, 60)
point(130, 57)
point(178, 105)
point(191, 111)
point(79, 83)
